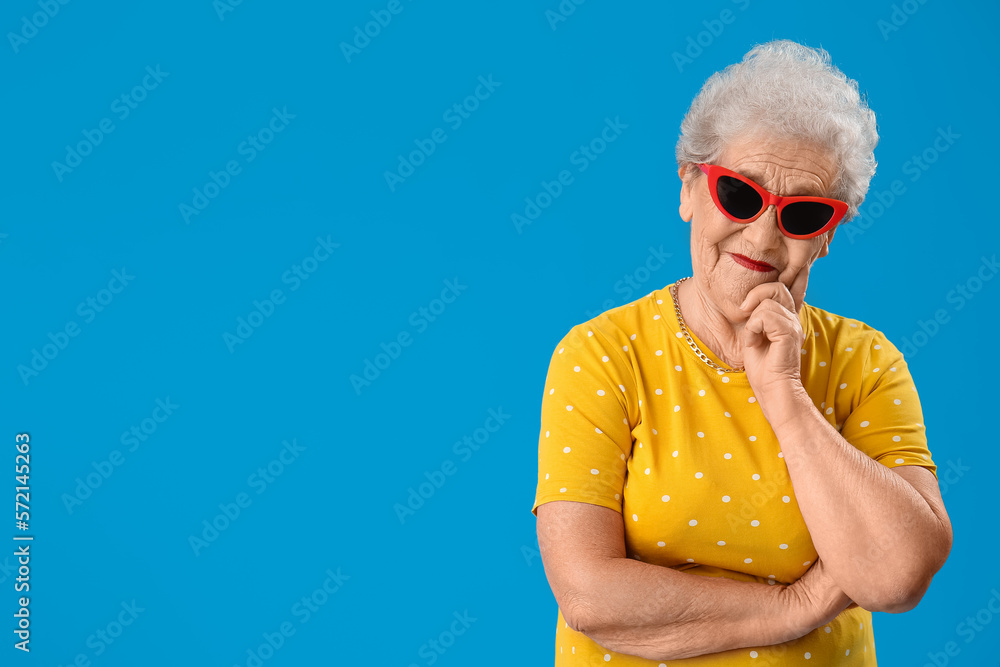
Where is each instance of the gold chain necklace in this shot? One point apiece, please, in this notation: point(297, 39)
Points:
point(684, 330)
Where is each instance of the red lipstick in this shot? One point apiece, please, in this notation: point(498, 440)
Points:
point(751, 264)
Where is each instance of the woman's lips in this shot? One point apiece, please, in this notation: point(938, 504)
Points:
point(753, 265)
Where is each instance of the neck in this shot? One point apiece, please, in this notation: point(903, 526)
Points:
point(710, 325)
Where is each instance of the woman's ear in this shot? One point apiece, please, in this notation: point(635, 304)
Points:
point(686, 208)
point(826, 243)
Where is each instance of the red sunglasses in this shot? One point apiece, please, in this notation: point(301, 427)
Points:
point(742, 200)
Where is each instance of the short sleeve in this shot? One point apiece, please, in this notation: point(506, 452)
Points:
point(887, 423)
point(586, 416)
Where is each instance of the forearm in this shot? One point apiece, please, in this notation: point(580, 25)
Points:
point(660, 613)
point(870, 526)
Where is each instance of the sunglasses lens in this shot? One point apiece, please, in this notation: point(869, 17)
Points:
point(805, 217)
point(739, 199)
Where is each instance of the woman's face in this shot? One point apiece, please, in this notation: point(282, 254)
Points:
point(783, 167)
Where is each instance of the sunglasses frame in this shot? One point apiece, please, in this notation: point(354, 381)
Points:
point(714, 171)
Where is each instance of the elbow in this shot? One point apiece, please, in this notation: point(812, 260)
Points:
point(904, 592)
point(578, 613)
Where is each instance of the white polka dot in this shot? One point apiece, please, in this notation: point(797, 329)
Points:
point(622, 456)
point(700, 434)
point(727, 455)
point(576, 368)
point(624, 348)
point(864, 423)
point(755, 476)
point(755, 523)
point(751, 400)
point(848, 652)
point(878, 347)
point(698, 475)
point(569, 407)
point(893, 369)
point(748, 560)
point(770, 576)
point(661, 544)
point(622, 387)
point(786, 499)
point(659, 392)
point(654, 431)
point(546, 475)
point(896, 438)
point(721, 543)
point(659, 352)
point(725, 499)
point(552, 391)
point(806, 563)
point(678, 368)
point(566, 450)
point(808, 655)
point(597, 430)
point(693, 522)
point(727, 414)
point(632, 337)
point(595, 471)
point(605, 358)
point(635, 517)
point(665, 499)
point(608, 657)
point(600, 392)
point(803, 350)
point(656, 317)
point(725, 378)
point(562, 490)
point(675, 454)
point(849, 349)
point(854, 324)
point(876, 370)
point(546, 434)
point(843, 385)
point(753, 654)
point(829, 411)
point(782, 546)
point(822, 363)
point(827, 629)
point(701, 392)
point(659, 301)
point(647, 471)
point(753, 438)
point(561, 350)
point(690, 560)
point(897, 401)
point(616, 496)
point(677, 408)
point(781, 455)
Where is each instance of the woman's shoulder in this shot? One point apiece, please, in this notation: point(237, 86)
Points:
point(841, 331)
point(624, 323)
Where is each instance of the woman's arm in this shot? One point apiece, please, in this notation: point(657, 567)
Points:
point(883, 532)
point(659, 613)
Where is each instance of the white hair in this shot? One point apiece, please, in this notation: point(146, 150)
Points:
point(783, 89)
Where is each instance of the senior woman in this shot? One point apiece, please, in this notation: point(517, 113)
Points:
point(728, 475)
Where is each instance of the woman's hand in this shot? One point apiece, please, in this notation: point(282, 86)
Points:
point(772, 336)
point(814, 600)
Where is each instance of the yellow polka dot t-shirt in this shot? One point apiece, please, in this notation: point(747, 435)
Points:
point(634, 421)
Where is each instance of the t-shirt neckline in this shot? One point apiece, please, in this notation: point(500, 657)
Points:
point(664, 303)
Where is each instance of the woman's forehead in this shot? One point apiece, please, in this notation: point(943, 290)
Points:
point(782, 164)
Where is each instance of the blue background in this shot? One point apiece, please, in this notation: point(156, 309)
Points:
point(470, 547)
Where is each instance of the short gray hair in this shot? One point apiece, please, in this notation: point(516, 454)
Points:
point(786, 90)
